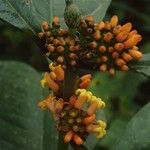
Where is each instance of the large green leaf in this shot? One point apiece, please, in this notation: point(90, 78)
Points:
point(114, 131)
point(143, 66)
point(137, 133)
point(122, 86)
point(28, 14)
point(21, 122)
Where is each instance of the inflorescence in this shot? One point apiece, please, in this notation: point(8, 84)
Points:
point(100, 46)
point(75, 117)
point(103, 46)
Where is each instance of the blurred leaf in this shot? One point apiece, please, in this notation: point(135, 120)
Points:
point(122, 85)
point(114, 131)
point(137, 133)
point(143, 66)
point(50, 136)
point(28, 14)
point(21, 122)
point(96, 8)
point(121, 82)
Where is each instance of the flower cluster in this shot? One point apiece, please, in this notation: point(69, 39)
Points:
point(104, 45)
point(75, 117)
point(59, 45)
point(108, 45)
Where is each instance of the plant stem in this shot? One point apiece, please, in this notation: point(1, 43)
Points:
point(70, 83)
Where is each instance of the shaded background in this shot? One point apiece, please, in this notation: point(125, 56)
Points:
point(134, 90)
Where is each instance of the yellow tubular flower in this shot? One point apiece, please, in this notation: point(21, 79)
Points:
point(95, 104)
point(51, 83)
point(80, 101)
point(43, 83)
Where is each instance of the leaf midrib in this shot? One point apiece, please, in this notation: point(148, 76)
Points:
point(21, 17)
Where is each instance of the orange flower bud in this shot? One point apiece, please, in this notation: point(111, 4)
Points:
point(102, 49)
point(93, 45)
point(100, 26)
point(60, 59)
point(108, 36)
point(120, 62)
point(52, 75)
point(117, 30)
point(73, 63)
point(44, 25)
point(72, 48)
point(72, 42)
point(94, 106)
point(103, 67)
point(89, 120)
point(119, 47)
point(89, 18)
point(122, 36)
point(77, 139)
point(40, 35)
point(60, 49)
point(72, 55)
point(47, 33)
point(51, 83)
point(127, 27)
point(124, 68)
point(114, 21)
point(59, 105)
point(131, 34)
point(72, 100)
point(55, 42)
point(135, 54)
point(107, 25)
point(112, 71)
point(89, 30)
point(111, 49)
point(103, 59)
point(83, 24)
point(59, 72)
point(80, 101)
point(133, 41)
point(97, 35)
point(84, 77)
point(68, 136)
point(56, 20)
point(62, 42)
point(127, 57)
point(115, 55)
point(85, 83)
point(50, 48)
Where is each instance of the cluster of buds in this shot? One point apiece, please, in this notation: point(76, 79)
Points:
point(107, 45)
point(104, 45)
point(75, 117)
point(59, 46)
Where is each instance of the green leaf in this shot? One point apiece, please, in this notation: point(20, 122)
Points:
point(28, 14)
point(143, 66)
point(96, 8)
point(114, 131)
point(50, 136)
point(21, 122)
point(137, 133)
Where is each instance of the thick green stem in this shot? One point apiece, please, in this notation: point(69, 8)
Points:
point(69, 88)
point(70, 83)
